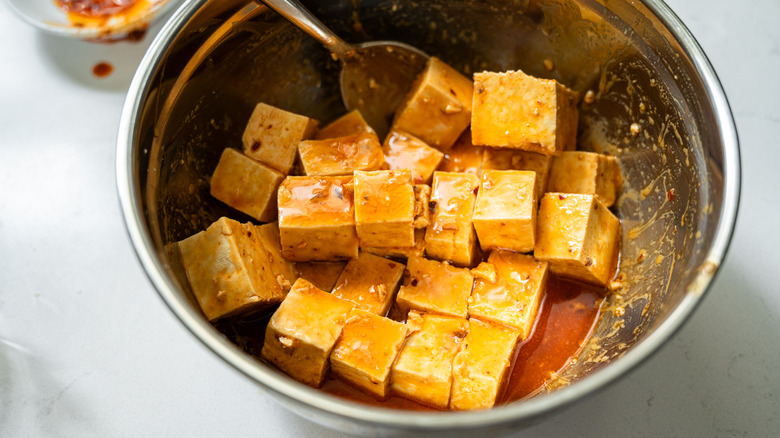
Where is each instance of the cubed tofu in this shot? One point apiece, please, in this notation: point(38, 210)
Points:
point(512, 297)
point(463, 156)
point(317, 218)
point(515, 110)
point(283, 269)
point(272, 136)
point(370, 282)
point(405, 151)
point(364, 355)
point(324, 275)
point(516, 159)
point(303, 331)
point(579, 236)
point(505, 213)
point(586, 173)
point(450, 234)
point(246, 185)
point(438, 107)
point(384, 208)
point(341, 155)
point(401, 252)
point(349, 124)
point(435, 287)
point(423, 370)
point(480, 369)
point(228, 270)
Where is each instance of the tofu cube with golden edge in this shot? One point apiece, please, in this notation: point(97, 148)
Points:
point(365, 353)
point(324, 275)
point(303, 331)
point(401, 252)
point(228, 270)
point(435, 287)
point(283, 269)
point(463, 157)
point(341, 155)
point(480, 369)
point(423, 370)
point(438, 107)
point(587, 173)
point(579, 236)
point(505, 214)
point(246, 185)
point(405, 151)
point(272, 136)
point(317, 218)
point(384, 208)
point(450, 234)
point(515, 110)
point(349, 124)
point(513, 295)
point(370, 282)
point(516, 159)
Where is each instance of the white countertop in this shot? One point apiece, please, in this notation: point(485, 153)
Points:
point(87, 348)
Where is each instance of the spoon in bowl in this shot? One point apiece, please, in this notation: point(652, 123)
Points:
point(375, 76)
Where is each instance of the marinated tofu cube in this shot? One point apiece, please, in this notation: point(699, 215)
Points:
point(511, 297)
point(515, 110)
point(341, 155)
point(246, 185)
point(423, 370)
point(480, 369)
point(401, 252)
point(283, 269)
point(505, 214)
point(365, 353)
point(228, 270)
point(370, 282)
point(324, 275)
point(405, 151)
point(438, 107)
point(384, 208)
point(463, 157)
point(272, 136)
point(579, 236)
point(586, 173)
point(303, 331)
point(436, 287)
point(350, 123)
point(317, 218)
point(450, 234)
point(516, 159)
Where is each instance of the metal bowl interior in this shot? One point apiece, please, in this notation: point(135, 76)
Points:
point(214, 60)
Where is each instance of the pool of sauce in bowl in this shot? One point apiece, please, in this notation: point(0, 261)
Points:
point(566, 320)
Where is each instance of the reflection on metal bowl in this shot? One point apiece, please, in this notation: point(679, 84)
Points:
point(654, 102)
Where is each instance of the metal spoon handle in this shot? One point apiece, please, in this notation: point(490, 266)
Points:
point(298, 15)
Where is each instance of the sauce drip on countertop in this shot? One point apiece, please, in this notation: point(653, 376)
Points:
point(102, 69)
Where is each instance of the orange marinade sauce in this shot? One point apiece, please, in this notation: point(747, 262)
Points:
point(566, 319)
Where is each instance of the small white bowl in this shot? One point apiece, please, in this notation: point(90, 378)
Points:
point(49, 17)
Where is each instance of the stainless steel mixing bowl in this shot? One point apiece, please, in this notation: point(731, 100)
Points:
point(657, 104)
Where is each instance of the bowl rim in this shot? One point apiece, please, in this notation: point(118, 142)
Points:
point(297, 393)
